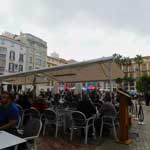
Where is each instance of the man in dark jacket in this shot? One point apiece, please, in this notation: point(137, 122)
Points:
point(86, 106)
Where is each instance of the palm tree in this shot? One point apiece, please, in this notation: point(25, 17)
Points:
point(117, 59)
point(128, 61)
point(119, 82)
point(139, 60)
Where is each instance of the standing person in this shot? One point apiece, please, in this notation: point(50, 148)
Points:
point(147, 98)
point(9, 113)
point(86, 106)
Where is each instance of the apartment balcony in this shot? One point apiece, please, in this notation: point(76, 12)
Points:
point(2, 69)
point(12, 59)
point(125, 70)
point(131, 70)
point(21, 61)
point(2, 58)
point(144, 69)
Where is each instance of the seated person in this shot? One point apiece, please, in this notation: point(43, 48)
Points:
point(9, 113)
point(108, 108)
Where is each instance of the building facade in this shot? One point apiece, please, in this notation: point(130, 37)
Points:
point(36, 53)
point(22, 52)
point(55, 61)
point(12, 55)
point(134, 71)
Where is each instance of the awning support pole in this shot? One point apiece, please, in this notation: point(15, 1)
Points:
point(110, 78)
point(0, 87)
point(34, 88)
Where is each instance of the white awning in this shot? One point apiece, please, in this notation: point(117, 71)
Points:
point(91, 70)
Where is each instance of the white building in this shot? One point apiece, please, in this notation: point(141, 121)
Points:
point(36, 53)
point(22, 52)
point(12, 54)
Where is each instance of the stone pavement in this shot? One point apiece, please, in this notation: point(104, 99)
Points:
point(139, 133)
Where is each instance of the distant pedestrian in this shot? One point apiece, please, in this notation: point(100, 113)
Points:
point(147, 98)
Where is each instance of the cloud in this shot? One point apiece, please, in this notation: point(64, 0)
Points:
point(82, 29)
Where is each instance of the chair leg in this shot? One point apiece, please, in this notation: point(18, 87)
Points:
point(22, 120)
point(114, 132)
point(44, 129)
point(86, 134)
point(71, 134)
point(16, 147)
point(64, 124)
point(56, 132)
point(94, 135)
point(35, 144)
point(101, 129)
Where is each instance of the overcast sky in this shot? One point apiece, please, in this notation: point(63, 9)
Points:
point(82, 29)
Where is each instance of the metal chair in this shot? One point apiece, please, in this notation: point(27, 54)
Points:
point(20, 116)
point(20, 109)
point(98, 108)
point(51, 117)
point(110, 122)
point(29, 114)
point(31, 131)
point(79, 121)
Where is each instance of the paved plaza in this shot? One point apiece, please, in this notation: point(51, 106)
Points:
point(139, 133)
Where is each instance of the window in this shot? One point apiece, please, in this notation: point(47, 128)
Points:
point(126, 74)
point(3, 50)
point(11, 67)
point(144, 73)
point(38, 61)
point(144, 67)
point(2, 56)
point(2, 69)
point(2, 60)
point(2, 63)
point(52, 83)
point(2, 41)
point(131, 69)
point(21, 48)
point(125, 68)
point(131, 75)
point(132, 83)
point(21, 58)
point(15, 67)
point(30, 67)
point(12, 44)
point(20, 68)
point(12, 55)
point(30, 59)
point(126, 86)
point(136, 68)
